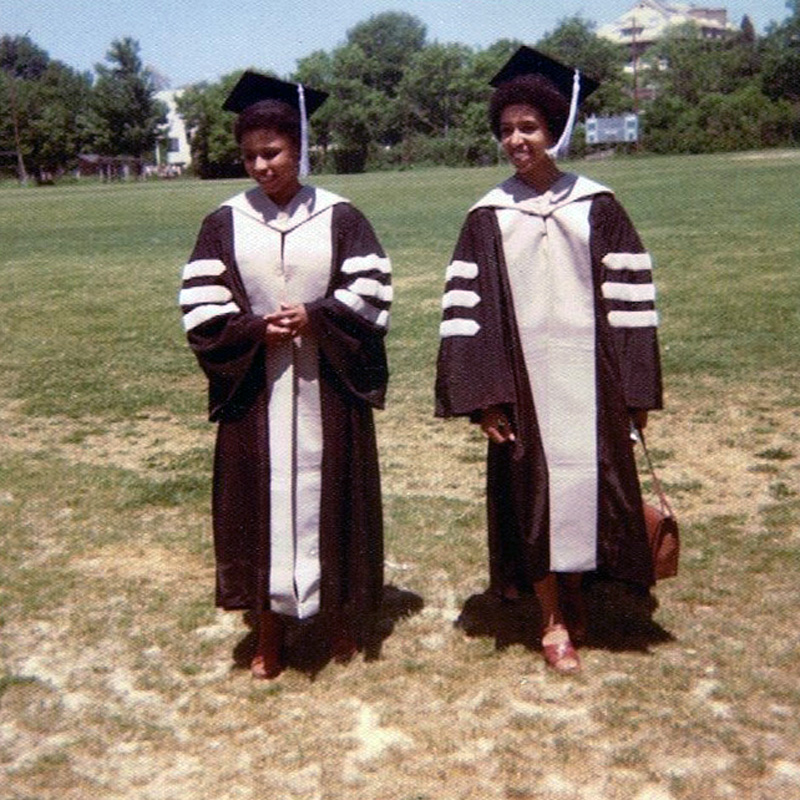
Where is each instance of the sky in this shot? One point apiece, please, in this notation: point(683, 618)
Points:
point(187, 42)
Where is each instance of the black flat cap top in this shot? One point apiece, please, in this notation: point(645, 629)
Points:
point(253, 87)
point(527, 61)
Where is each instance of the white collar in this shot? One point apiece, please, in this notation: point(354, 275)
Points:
point(516, 194)
point(307, 203)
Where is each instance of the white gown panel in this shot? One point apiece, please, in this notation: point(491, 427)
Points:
point(549, 268)
point(284, 255)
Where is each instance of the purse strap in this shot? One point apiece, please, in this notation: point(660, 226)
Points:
point(662, 498)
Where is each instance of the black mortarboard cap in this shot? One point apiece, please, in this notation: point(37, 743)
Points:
point(527, 61)
point(253, 87)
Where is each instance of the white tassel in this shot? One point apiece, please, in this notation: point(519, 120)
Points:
point(561, 147)
point(304, 165)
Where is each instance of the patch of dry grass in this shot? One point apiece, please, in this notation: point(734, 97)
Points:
point(125, 684)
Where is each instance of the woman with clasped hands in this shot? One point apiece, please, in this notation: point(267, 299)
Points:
point(285, 303)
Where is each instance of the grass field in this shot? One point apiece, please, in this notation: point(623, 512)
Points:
point(119, 680)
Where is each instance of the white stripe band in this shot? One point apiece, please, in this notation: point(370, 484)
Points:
point(633, 319)
point(366, 264)
point(632, 261)
point(197, 316)
point(461, 298)
point(204, 294)
point(461, 269)
point(362, 307)
point(203, 268)
point(629, 292)
point(367, 287)
point(458, 327)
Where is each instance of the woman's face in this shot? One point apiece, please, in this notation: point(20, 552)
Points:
point(271, 160)
point(525, 138)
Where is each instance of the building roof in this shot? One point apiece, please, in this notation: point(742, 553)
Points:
point(648, 20)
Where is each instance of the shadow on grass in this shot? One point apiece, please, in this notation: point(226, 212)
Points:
point(619, 618)
point(307, 643)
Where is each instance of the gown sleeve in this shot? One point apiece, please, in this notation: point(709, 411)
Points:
point(628, 296)
point(351, 321)
point(474, 365)
point(225, 336)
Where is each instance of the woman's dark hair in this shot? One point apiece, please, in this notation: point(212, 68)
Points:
point(531, 90)
point(271, 115)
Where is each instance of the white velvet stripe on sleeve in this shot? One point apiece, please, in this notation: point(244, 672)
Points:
point(377, 316)
point(197, 295)
point(633, 319)
point(370, 263)
point(367, 287)
point(635, 262)
point(460, 298)
point(200, 314)
point(629, 292)
point(458, 327)
point(461, 269)
point(203, 268)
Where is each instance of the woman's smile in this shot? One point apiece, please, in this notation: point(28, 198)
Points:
point(525, 137)
point(271, 160)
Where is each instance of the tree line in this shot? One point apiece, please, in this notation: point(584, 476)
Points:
point(50, 113)
point(398, 99)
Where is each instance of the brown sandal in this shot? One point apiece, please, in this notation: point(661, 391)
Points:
point(559, 653)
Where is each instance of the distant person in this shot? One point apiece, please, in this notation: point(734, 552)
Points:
point(285, 303)
point(548, 341)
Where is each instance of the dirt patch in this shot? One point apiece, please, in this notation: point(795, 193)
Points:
point(707, 453)
point(141, 444)
point(127, 687)
point(714, 457)
point(766, 155)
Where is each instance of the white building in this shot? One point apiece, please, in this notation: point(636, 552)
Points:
point(648, 21)
point(179, 154)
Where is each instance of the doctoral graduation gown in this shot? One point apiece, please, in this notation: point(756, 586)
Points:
point(549, 312)
point(296, 494)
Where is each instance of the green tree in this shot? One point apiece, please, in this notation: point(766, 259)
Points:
point(214, 150)
point(748, 30)
point(574, 42)
point(360, 114)
point(697, 66)
point(388, 41)
point(486, 63)
point(125, 114)
point(41, 108)
point(443, 98)
point(316, 70)
point(364, 74)
point(781, 58)
point(20, 60)
point(717, 95)
point(436, 87)
point(58, 128)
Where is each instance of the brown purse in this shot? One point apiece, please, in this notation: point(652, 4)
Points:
point(661, 526)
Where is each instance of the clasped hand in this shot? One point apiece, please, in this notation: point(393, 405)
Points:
point(286, 323)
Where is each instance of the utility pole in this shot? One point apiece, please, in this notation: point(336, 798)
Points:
point(634, 59)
